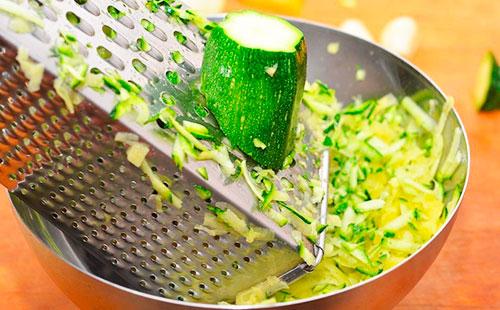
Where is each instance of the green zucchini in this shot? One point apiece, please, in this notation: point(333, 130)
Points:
point(487, 90)
point(253, 78)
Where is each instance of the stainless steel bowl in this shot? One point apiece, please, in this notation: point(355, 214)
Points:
point(90, 285)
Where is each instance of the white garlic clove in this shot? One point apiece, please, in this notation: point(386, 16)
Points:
point(400, 36)
point(356, 28)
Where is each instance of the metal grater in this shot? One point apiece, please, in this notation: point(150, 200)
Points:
point(69, 169)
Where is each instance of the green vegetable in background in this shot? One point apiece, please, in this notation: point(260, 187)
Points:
point(487, 91)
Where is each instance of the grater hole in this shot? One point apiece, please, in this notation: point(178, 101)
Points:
point(141, 68)
point(152, 277)
point(82, 25)
point(173, 77)
point(41, 35)
point(191, 293)
point(157, 32)
point(182, 39)
point(237, 244)
point(203, 286)
point(180, 298)
point(115, 36)
point(131, 3)
point(258, 252)
point(155, 53)
point(49, 13)
point(187, 66)
point(90, 7)
point(246, 259)
point(110, 58)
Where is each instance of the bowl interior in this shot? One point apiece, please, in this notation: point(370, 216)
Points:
point(385, 73)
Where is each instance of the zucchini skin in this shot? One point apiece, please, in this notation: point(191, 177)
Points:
point(249, 103)
point(493, 97)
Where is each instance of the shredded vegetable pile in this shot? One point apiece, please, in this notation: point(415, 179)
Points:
point(387, 194)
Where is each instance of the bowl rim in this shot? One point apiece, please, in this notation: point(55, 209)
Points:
point(450, 218)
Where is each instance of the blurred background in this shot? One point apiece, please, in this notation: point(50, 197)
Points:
point(444, 38)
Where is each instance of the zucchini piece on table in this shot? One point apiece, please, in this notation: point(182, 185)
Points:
point(253, 77)
point(487, 91)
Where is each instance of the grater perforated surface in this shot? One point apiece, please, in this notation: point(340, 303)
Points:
point(69, 168)
point(83, 182)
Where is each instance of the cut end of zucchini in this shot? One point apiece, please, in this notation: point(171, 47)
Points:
point(487, 90)
point(258, 31)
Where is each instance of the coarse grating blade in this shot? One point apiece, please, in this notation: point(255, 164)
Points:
point(69, 168)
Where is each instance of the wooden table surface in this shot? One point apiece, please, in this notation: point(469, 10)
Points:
point(454, 36)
